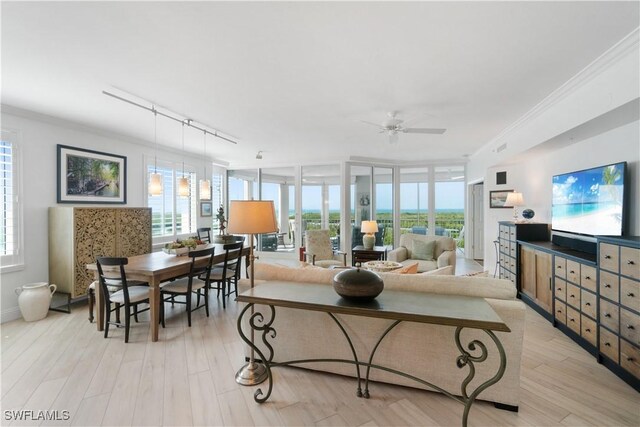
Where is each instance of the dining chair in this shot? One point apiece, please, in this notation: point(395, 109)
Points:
point(204, 234)
point(133, 293)
point(230, 271)
point(196, 282)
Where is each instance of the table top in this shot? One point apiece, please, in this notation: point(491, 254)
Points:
point(451, 310)
point(361, 248)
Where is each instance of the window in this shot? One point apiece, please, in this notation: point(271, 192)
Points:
point(172, 215)
point(217, 179)
point(10, 251)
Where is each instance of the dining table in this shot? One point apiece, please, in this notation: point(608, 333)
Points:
point(155, 268)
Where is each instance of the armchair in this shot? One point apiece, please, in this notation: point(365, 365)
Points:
point(319, 251)
point(444, 252)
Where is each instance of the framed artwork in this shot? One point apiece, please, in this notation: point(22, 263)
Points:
point(498, 198)
point(206, 209)
point(87, 176)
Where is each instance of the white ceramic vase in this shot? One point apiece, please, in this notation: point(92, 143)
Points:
point(34, 300)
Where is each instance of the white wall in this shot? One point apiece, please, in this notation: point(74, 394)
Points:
point(533, 176)
point(38, 138)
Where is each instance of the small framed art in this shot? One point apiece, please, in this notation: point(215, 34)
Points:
point(206, 209)
point(498, 198)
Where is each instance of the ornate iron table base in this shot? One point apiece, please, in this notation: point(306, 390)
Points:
point(465, 359)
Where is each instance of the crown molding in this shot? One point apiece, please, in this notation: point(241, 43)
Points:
point(627, 46)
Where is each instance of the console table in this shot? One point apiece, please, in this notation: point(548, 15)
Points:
point(450, 310)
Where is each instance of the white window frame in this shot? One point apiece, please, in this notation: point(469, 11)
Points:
point(176, 168)
point(15, 261)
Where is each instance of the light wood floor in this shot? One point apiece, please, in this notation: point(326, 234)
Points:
point(63, 363)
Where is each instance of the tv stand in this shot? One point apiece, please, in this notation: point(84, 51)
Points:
point(574, 244)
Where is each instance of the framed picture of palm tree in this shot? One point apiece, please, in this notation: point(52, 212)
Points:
point(88, 176)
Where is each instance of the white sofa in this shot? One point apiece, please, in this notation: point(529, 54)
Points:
point(426, 351)
point(444, 252)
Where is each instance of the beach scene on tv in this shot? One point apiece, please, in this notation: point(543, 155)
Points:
point(589, 201)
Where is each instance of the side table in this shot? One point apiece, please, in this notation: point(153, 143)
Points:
point(362, 255)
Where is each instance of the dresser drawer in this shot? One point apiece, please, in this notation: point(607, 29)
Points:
point(588, 330)
point(573, 320)
point(630, 293)
point(588, 303)
point(561, 312)
point(609, 285)
point(630, 326)
point(512, 249)
point(609, 315)
point(630, 262)
point(573, 295)
point(512, 233)
point(609, 344)
point(630, 358)
point(573, 272)
point(560, 267)
point(588, 277)
point(511, 262)
point(560, 289)
point(609, 257)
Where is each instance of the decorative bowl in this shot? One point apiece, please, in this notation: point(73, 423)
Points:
point(528, 213)
point(176, 251)
point(357, 284)
point(382, 266)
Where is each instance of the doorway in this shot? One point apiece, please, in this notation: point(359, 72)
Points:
point(476, 222)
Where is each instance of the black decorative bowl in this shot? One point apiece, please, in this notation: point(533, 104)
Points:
point(528, 213)
point(357, 284)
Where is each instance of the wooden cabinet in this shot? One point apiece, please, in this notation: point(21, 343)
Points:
point(77, 236)
point(535, 277)
point(509, 233)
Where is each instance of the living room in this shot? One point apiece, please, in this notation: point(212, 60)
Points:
point(503, 97)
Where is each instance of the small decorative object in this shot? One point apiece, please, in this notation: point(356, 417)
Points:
point(182, 247)
point(358, 284)
point(514, 200)
point(206, 209)
point(369, 238)
point(34, 300)
point(364, 200)
point(221, 221)
point(382, 266)
point(497, 199)
point(87, 176)
point(528, 214)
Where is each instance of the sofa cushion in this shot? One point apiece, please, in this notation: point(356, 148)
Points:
point(422, 265)
point(442, 271)
point(264, 271)
point(407, 269)
point(423, 249)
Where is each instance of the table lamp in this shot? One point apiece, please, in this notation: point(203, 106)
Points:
point(251, 217)
point(514, 199)
point(369, 228)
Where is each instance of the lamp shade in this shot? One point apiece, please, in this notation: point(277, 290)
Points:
point(369, 227)
point(205, 189)
point(514, 199)
point(252, 217)
point(183, 187)
point(155, 184)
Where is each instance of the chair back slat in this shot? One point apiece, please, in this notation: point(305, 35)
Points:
point(204, 234)
point(103, 277)
point(195, 271)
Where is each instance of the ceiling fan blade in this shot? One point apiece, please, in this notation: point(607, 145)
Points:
point(370, 123)
point(393, 138)
point(433, 131)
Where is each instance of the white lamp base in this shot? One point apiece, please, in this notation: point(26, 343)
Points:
point(368, 240)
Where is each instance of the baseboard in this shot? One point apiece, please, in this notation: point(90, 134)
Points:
point(9, 314)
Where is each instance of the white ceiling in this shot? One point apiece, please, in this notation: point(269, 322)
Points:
point(295, 79)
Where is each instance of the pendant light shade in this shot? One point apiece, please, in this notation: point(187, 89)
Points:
point(205, 184)
point(155, 179)
point(183, 187)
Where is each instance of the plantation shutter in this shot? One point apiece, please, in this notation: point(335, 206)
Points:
point(8, 223)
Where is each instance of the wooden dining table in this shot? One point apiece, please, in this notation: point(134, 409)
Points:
point(155, 268)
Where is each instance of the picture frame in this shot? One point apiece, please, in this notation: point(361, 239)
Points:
point(498, 198)
point(206, 209)
point(88, 176)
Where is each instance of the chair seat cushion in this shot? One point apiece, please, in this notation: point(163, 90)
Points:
point(136, 294)
point(111, 289)
point(216, 274)
point(181, 286)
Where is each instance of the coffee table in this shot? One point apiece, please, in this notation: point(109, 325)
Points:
point(451, 310)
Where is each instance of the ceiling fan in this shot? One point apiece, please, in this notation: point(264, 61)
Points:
point(393, 126)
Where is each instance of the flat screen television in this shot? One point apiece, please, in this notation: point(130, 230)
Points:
point(590, 202)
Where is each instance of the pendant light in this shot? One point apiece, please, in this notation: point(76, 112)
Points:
point(205, 184)
point(155, 179)
point(183, 182)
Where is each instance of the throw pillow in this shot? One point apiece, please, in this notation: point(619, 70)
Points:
point(478, 274)
point(407, 269)
point(423, 250)
point(442, 271)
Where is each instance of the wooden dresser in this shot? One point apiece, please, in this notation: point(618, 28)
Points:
point(78, 235)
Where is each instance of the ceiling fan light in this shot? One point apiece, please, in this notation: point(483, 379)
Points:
point(205, 189)
point(155, 184)
point(183, 187)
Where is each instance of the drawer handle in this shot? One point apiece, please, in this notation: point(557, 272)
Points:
point(607, 315)
point(588, 277)
point(606, 285)
point(630, 359)
point(559, 311)
point(630, 294)
point(607, 344)
point(588, 330)
point(588, 304)
point(573, 320)
point(558, 266)
point(630, 327)
point(629, 262)
point(559, 289)
point(572, 272)
point(572, 296)
point(607, 257)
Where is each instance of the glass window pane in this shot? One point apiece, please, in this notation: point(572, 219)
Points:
point(383, 178)
point(320, 206)
point(277, 185)
point(449, 209)
point(414, 200)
